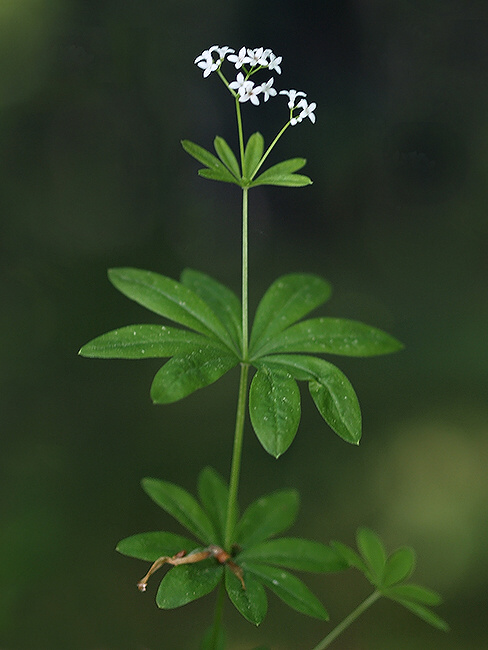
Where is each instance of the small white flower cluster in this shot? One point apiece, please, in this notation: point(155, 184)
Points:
point(250, 61)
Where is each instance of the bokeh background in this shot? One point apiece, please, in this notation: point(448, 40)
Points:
point(94, 98)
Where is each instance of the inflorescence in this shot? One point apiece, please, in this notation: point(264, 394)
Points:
point(248, 62)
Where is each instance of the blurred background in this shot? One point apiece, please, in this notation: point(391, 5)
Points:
point(94, 99)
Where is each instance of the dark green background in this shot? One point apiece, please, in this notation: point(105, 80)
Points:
point(94, 98)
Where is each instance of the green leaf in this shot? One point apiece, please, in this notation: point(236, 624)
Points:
point(282, 174)
point(227, 156)
point(295, 553)
point(252, 154)
point(251, 602)
point(399, 566)
point(214, 495)
point(331, 391)
point(288, 299)
point(187, 582)
point(274, 407)
point(289, 589)
point(425, 614)
point(201, 154)
point(169, 298)
point(151, 546)
point(351, 558)
point(414, 592)
point(181, 376)
point(225, 304)
point(209, 642)
point(145, 342)
point(333, 336)
point(181, 505)
point(267, 516)
point(223, 175)
point(373, 551)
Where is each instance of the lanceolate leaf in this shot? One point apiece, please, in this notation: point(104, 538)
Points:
point(251, 602)
point(151, 546)
point(253, 154)
point(223, 175)
point(214, 495)
point(295, 553)
point(187, 582)
point(201, 154)
point(227, 156)
point(332, 336)
point(283, 174)
point(351, 558)
point(274, 407)
point(225, 304)
point(414, 592)
point(425, 614)
point(288, 299)
point(181, 505)
point(181, 376)
point(170, 299)
point(372, 549)
point(289, 589)
point(268, 516)
point(331, 391)
point(145, 342)
point(399, 566)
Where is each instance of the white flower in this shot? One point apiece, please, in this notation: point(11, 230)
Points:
point(241, 84)
point(224, 51)
point(239, 59)
point(307, 110)
point(292, 95)
point(267, 90)
point(250, 92)
point(274, 62)
point(257, 57)
point(207, 62)
point(295, 120)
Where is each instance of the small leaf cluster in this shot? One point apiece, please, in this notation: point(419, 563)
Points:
point(225, 168)
point(263, 560)
point(280, 348)
point(388, 574)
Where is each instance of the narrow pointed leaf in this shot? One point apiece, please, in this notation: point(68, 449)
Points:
point(250, 602)
point(285, 167)
point(351, 558)
point(414, 592)
point(214, 496)
point(151, 546)
point(373, 551)
point(202, 155)
point(181, 376)
point(295, 553)
point(212, 642)
point(224, 302)
point(274, 407)
point(289, 589)
point(399, 566)
point(330, 389)
point(288, 299)
point(425, 614)
point(227, 156)
point(146, 342)
point(332, 336)
point(187, 582)
point(268, 516)
point(283, 180)
point(168, 298)
point(253, 154)
point(181, 505)
point(223, 175)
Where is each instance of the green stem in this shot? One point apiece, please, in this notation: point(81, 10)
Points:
point(236, 458)
point(241, 133)
point(360, 609)
point(245, 274)
point(219, 610)
point(269, 149)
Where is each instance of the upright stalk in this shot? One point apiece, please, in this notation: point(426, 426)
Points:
point(325, 643)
